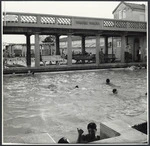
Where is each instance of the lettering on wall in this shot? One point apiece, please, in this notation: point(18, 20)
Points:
point(87, 23)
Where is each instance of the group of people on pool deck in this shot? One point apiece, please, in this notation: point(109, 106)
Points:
point(84, 138)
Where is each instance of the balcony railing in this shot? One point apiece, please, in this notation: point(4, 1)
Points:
point(56, 21)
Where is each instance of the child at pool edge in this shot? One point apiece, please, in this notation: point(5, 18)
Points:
point(91, 136)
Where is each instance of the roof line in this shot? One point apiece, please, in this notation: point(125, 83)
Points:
point(118, 6)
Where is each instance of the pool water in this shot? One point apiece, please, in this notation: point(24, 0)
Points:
point(49, 102)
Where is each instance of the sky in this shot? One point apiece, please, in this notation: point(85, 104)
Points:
point(97, 9)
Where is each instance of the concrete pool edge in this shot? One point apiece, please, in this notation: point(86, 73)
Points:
point(127, 133)
point(123, 126)
point(70, 68)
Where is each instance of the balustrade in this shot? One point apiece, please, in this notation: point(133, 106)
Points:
point(55, 20)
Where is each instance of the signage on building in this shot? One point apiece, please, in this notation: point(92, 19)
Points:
point(87, 23)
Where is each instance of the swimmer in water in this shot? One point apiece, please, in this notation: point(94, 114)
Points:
point(107, 81)
point(76, 86)
point(115, 91)
point(110, 84)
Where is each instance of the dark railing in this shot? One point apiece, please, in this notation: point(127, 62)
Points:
point(40, 20)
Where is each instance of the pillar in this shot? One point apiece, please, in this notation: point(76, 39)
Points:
point(97, 49)
point(106, 47)
point(69, 58)
point(123, 45)
point(83, 47)
point(28, 52)
point(143, 47)
point(37, 51)
point(11, 50)
point(57, 45)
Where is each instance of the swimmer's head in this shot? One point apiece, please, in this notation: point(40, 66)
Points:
point(115, 91)
point(92, 129)
point(76, 86)
point(91, 125)
point(63, 140)
point(107, 81)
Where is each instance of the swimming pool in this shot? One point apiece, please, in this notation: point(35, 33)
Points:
point(49, 102)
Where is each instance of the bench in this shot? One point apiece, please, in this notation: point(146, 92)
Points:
point(84, 57)
point(109, 58)
point(55, 58)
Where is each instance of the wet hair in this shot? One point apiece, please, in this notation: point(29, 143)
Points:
point(76, 86)
point(107, 81)
point(146, 93)
point(91, 125)
point(114, 91)
point(63, 140)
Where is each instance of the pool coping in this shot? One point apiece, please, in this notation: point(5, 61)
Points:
point(128, 135)
point(55, 68)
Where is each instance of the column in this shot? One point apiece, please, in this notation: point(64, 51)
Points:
point(97, 49)
point(37, 51)
point(83, 46)
point(11, 50)
point(123, 45)
point(57, 45)
point(143, 47)
point(28, 52)
point(106, 48)
point(69, 59)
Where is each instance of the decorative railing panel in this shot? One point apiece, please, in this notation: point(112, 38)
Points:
point(10, 18)
point(48, 20)
point(63, 21)
point(108, 23)
point(142, 25)
point(134, 25)
point(121, 24)
point(28, 19)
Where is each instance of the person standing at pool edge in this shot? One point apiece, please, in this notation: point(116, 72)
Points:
point(91, 136)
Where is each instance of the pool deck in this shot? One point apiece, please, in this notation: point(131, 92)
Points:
point(55, 68)
point(127, 134)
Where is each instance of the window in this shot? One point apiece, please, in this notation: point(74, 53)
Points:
point(120, 14)
point(124, 13)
